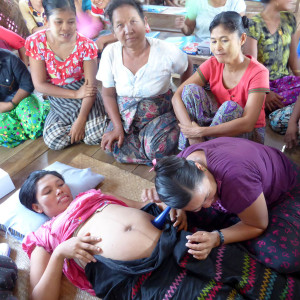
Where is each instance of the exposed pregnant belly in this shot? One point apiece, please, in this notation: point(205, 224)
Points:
point(126, 233)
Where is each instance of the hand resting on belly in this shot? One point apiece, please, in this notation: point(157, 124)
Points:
point(126, 233)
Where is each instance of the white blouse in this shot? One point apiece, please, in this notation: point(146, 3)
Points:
point(152, 79)
point(204, 13)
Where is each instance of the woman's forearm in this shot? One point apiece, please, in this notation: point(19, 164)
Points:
point(180, 109)
point(186, 30)
point(188, 72)
point(240, 232)
point(19, 96)
point(86, 106)
point(245, 124)
point(295, 117)
point(231, 128)
point(112, 110)
point(55, 91)
point(178, 105)
point(188, 27)
point(294, 61)
point(48, 287)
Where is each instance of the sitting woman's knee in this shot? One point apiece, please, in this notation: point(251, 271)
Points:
point(56, 143)
point(190, 88)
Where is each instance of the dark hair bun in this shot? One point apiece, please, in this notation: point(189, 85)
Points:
point(245, 21)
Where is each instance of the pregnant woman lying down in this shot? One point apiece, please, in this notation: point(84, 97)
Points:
point(93, 223)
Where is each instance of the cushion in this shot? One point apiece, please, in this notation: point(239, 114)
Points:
point(17, 220)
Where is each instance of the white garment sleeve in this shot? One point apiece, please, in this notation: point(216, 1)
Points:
point(105, 71)
point(179, 59)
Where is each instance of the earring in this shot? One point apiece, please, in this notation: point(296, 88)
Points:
point(200, 167)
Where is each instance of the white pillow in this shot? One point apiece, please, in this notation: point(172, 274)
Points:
point(19, 221)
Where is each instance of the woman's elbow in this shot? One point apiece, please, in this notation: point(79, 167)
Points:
point(247, 127)
point(38, 86)
point(262, 225)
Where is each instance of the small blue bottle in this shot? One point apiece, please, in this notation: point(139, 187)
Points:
point(160, 220)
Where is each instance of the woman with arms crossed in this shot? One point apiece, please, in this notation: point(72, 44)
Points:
point(238, 83)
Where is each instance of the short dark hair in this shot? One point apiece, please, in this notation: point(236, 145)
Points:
point(176, 180)
point(230, 20)
point(114, 4)
point(51, 5)
point(27, 194)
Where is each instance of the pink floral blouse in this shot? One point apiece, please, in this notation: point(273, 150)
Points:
point(61, 72)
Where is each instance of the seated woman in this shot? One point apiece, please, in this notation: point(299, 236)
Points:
point(22, 115)
point(33, 14)
point(232, 175)
point(135, 74)
point(201, 13)
point(12, 41)
point(93, 223)
point(63, 66)
point(238, 83)
point(272, 40)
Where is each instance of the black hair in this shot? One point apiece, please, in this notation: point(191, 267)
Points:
point(51, 5)
point(27, 194)
point(114, 4)
point(231, 21)
point(176, 180)
point(265, 1)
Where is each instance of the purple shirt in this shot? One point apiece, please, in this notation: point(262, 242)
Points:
point(244, 169)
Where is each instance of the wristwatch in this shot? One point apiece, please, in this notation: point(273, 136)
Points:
point(221, 235)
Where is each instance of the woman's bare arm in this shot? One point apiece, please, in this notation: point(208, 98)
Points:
point(294, 61)
point(90, 70)
point(188, 72)
point(41, 84)
point(117, 134)
point(250, 47)
point(46, 269)
point(45, 274)
point(236, 127)
point(178, 105)
point(18, 97)
point(77, 131)
point(254, 221)
point(188, 27)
